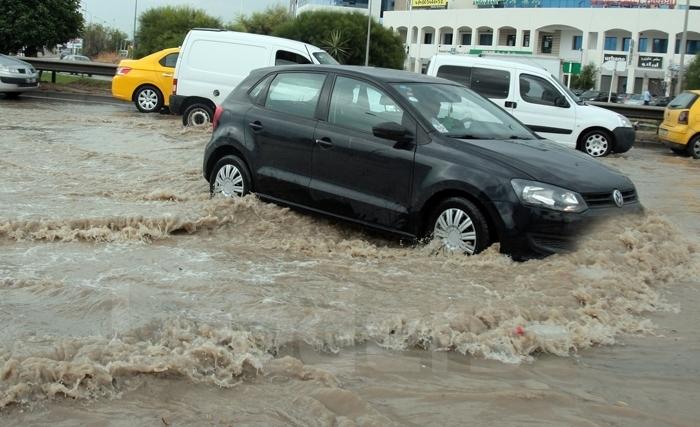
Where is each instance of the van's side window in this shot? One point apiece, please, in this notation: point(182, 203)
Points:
point(169, 60)
point(461, 75)
point(537, 90)
point(284, 57)
point(490, 83)
point(295, 93)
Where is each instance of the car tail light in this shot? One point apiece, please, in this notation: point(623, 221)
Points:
point(217, 116)
point(683, 118)
point(122, 71)
point(174, 86)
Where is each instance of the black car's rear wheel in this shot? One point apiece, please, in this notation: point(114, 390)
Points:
point(230, 178)
point(459, 226)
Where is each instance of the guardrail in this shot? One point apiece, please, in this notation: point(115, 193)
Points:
point(56, 66)
point(634, 111)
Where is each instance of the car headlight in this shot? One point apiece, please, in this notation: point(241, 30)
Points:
point(534, 193)
point(624, 121)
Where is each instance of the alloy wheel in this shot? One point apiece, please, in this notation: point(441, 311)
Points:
point(198, 117)
point(148, 99)
point(596, 145)
point(695, 148)
point(229, 182)
point(456, 231)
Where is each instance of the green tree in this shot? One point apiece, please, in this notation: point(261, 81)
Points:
point(31, 25)
point(336, 45)
point(692, 74)
point(265, 22)
point(585, 80)
point(98, 39)
point(164, 27)
point(386, 47)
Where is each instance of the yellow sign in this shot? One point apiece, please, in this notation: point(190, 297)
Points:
point(429, 3)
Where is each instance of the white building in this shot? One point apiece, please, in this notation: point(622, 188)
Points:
point(644, 34)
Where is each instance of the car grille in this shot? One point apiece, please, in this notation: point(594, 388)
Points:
point(605, 200)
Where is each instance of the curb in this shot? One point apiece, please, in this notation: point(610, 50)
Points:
point(75, 97)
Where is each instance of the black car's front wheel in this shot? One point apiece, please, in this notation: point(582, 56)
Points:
point(459, 226)
point(230, 178)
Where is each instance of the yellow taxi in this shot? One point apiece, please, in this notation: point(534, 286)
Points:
point(680, 130)
point(148, 81)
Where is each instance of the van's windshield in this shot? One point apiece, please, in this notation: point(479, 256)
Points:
point(458, 112)
point(324, 58)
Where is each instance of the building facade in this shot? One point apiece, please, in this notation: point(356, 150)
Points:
point(634, 44)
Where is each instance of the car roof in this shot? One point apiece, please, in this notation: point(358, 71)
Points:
point(383, 75)
point(229, 35)
point(9, 60)
point(449, 59)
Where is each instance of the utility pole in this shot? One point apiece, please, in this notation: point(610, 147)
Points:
point(133, 45)
point(369, 28)
point(684, 40)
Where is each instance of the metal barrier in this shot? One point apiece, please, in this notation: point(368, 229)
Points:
point(634, 111)
point(56, 65)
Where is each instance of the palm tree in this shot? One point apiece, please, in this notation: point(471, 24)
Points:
point(336, 45)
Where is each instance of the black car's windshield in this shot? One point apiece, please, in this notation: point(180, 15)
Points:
point(458, 112)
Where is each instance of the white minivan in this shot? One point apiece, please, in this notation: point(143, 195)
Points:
point(212, 62)
point(536, 98)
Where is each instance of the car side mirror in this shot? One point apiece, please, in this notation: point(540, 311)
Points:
point(561, 102)
point(392, 131)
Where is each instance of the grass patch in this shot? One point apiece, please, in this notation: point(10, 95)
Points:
point(76, 81)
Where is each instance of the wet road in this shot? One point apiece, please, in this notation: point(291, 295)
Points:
point(130, 298)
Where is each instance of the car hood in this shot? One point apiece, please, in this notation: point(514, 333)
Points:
point(13, 62)
point(548, 162)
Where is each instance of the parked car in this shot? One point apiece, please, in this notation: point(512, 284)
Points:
point(16, 76)
point(538, 99)
point(79, 58)
point(213, 62)
point(598, 96)
point(660, 101)
point(409, 154)
point(147, 82)
point(634, 99)
point(680, 130)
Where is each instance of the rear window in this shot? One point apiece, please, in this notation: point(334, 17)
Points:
point(683, 101)
point(486, 82)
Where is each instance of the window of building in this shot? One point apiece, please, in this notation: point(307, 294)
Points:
point(643, 44)
point(692, 47)
point(526, 39)
point(510, 40)
point(547, 43)
point(485, 39)
point(447, 38)
point(169, 60)
point(295, 93)
point(659, 45)
point(361, 106)
point(610, 43)
point(626, 44)
point(466, 39)
point(428, 38)
point(490, 83)
point(577, 43)
point(284, 57)
point(536, 90)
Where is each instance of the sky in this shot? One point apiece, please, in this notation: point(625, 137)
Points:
point(120, 13)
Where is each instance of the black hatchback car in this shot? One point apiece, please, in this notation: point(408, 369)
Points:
point(414, 155)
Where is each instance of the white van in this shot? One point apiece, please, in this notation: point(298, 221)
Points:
point(536, 98)
point(212, 62)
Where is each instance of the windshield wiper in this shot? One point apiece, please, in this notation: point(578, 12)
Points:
point(520, 137)
point(464, 136)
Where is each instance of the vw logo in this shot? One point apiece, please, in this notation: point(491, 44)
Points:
point(618, 199)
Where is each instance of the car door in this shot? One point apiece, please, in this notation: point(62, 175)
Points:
point(545, 109)
point(163, 75)
point(281, 131)
point(354, 173)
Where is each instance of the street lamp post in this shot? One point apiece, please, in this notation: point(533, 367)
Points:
point(684, 41)
point(136, 7)
point(369, 28)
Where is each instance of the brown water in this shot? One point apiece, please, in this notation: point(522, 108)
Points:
point(130, 298)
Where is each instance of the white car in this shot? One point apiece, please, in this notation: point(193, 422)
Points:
point(536, 98)
point(212, 63)
point(16, 76)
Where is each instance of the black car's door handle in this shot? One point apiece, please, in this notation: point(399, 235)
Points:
point(256, 126)
point(511, 104)
point(324, 142)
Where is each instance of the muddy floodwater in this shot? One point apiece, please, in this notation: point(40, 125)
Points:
point(129, 298)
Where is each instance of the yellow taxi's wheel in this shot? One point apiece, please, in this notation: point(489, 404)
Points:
point(148, 99)
point(694, 147)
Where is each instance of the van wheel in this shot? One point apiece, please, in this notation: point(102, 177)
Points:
point(230, 178)
point(694, 147)
point(596, 143)
point(197, 115)
point(459, 226)
point(148, 99)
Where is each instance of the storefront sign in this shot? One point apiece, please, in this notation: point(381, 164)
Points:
point(614, 58)
point(655, 62)
point(644, 4)
point(480, 3)
point(430, 3)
